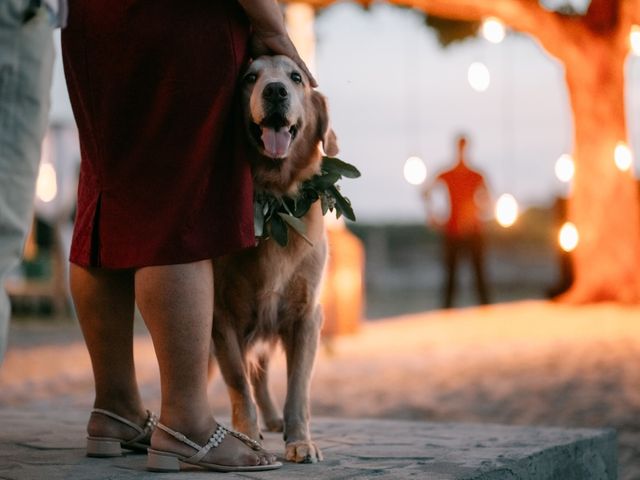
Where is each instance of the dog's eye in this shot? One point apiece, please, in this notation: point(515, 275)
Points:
point(250, 78)
point(296, 77)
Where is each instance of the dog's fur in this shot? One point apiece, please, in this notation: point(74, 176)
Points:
point(270, 293)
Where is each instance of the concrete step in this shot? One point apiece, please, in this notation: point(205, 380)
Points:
point(37, 443)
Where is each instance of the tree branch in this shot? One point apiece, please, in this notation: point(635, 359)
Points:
point(527, 16)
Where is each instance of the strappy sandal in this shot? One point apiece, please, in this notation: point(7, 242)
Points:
point(161, 461)
point(113, 447)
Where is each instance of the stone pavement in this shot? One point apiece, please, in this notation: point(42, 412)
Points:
point(37, 443)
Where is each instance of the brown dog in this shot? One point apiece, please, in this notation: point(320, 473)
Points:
point(270, 292)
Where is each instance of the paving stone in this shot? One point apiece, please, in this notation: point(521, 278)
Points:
point(43, 444)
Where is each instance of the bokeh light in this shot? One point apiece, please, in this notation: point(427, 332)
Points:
point(46, 185)
point(479, 76)
point(623, 156)
point(506, 210)
point(415, 171)
point(634, 39)
point(493, 30)
point(565, 168)
point(568, 237)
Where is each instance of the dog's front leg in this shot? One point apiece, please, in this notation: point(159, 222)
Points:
point(232, 366)
point(260, 381)
point(301, 345)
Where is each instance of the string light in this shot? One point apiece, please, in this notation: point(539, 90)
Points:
point(493, 30)
point(565, 168)
point(634, 39)
point(478, 76)
point(506, 210)
point(46, 185)
point(568, 237)
point(415, 171)
point(623, 156)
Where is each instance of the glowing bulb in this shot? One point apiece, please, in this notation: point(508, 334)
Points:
point(634, 39)
point(46, 185)
point(493, 30)
point(623, 156)
point(415, 171)
point(506, 210)
point(565, 168)
point(568, 237)
point(478, 76)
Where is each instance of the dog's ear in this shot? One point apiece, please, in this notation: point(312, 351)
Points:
point(325, 133)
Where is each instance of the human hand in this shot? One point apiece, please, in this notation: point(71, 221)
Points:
point(263, 43)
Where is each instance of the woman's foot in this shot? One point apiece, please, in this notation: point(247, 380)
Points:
point(110, 432)
point(231, 451)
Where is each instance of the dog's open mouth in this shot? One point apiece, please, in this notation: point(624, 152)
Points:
point(274, 137)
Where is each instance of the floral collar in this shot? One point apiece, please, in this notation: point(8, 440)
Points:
point(273, 216)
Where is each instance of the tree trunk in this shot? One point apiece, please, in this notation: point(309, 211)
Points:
point(604, 201)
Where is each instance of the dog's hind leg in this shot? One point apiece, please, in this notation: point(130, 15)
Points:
point(301, 344)
point(233, 368)
point(260, 381)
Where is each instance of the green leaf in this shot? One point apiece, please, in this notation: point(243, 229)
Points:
point(343, 204)
point(297, 225)
point(335, 165)
point(303, 204)
point(258, 219)
point(279, 230)
point(325, 181)
point(324, 203)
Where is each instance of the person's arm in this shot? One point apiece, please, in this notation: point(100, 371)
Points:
point(429, 191)
point(270, 36)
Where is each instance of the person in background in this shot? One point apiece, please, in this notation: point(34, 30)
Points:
point(463, 229)
point(164, 189)
point(26, 65)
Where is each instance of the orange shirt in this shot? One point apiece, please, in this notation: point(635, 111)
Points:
point(462, 184)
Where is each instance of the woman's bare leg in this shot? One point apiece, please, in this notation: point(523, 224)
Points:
point(176, 302)
point(104, 301)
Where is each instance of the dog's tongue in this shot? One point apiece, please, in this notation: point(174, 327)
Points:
point(276, 142)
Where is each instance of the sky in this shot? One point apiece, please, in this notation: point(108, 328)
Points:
point(394, 92)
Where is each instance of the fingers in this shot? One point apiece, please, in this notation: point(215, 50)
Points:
point(307, 72)
point(262, 44)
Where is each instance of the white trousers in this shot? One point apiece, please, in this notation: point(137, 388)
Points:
point(26, 61)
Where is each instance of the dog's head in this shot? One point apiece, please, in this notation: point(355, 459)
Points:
point(286, 119)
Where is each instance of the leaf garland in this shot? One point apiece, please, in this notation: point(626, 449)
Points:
point(274, 216)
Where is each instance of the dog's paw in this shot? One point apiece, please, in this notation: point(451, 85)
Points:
point(303, 451)
point(274, 425)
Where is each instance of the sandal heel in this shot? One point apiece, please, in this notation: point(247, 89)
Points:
point(103, 447)
point(159, 462)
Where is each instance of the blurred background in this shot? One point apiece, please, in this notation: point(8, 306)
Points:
point(401, 88)
point(407, 95)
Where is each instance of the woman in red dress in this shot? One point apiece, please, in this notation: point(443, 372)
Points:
point(164, 189)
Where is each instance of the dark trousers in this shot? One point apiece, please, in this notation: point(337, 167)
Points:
point(456, 247)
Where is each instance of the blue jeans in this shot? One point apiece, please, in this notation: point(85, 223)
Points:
point(26, 61)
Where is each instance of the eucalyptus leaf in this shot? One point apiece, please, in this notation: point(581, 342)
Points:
point(325, 204)
point(258, 219)
point(279, 231)
point(335, 165)
point(298, 225)
point(302, 207)
point(343, 204)
point(327, 180)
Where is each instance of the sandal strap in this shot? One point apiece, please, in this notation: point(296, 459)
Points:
point(149, 425)
point(147, 429)
point(215, 440)
point(248, 441)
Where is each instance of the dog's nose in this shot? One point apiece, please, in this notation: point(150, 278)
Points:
point(275, 91)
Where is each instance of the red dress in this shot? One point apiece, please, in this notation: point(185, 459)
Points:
point(163, 178)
